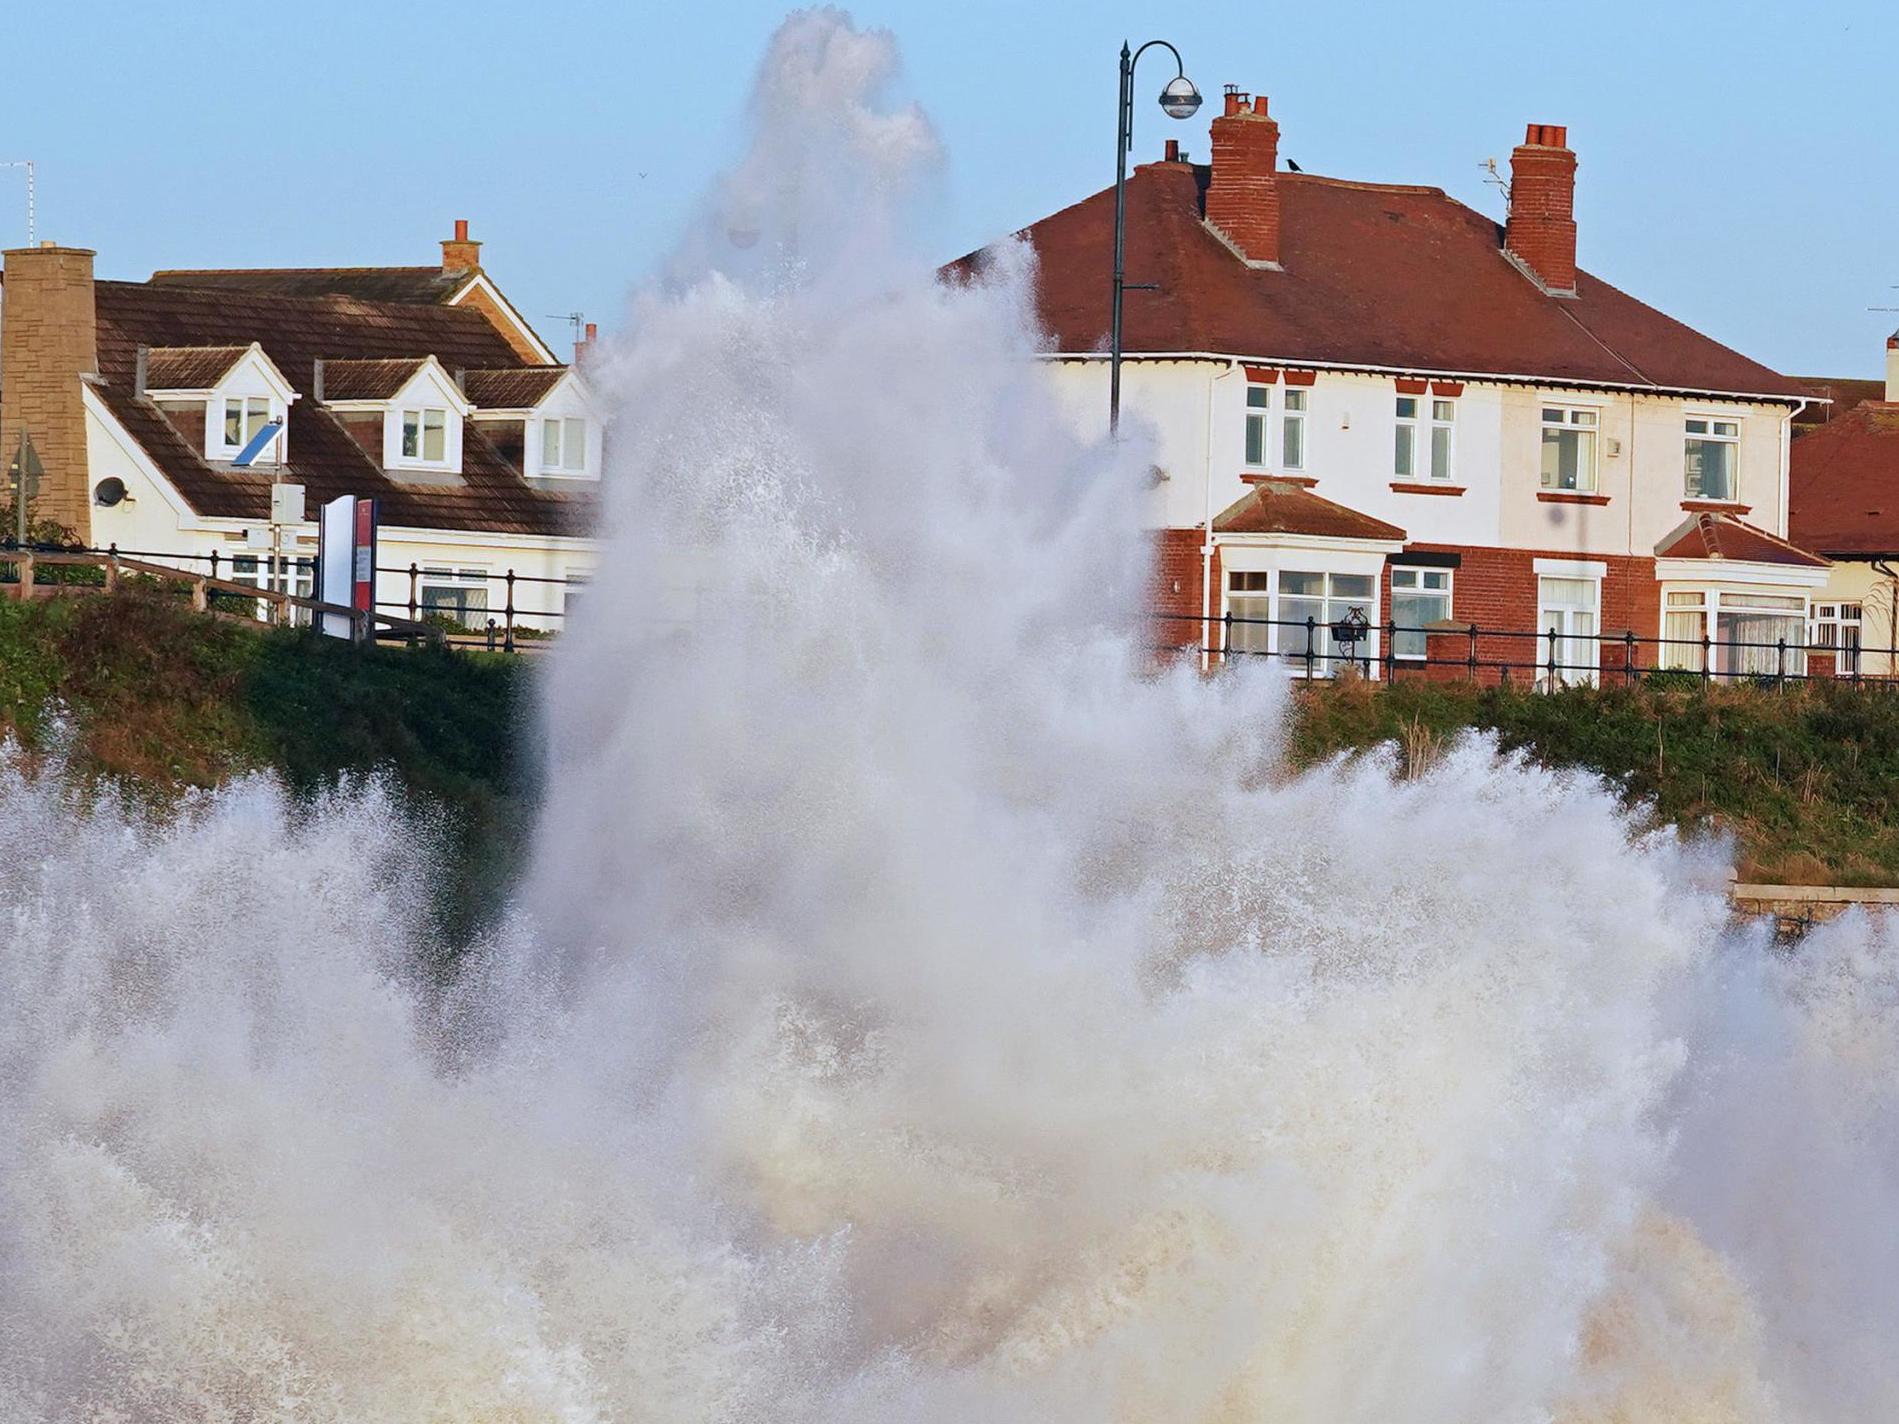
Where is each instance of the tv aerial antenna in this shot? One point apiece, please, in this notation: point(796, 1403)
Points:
point(32, 235)
point(576, 320)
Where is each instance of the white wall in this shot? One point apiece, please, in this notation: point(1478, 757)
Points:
point(1197, 411)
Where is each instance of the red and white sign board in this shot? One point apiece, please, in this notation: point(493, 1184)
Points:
point(346, 560)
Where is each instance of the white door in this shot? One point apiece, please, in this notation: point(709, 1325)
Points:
point(1568, 615)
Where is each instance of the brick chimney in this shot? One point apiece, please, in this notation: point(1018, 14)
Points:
point(48, 343)
point(1541, 232)
point(583, 348)
point(461, 253)
point(1243, 195)
point(1892, 367)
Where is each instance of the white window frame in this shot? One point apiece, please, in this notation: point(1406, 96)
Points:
point(1258, 417)
point(453, 579)
point(289, 571)
point(1292, 427)
point(246, 431)
point(1404, 438)
point(1443, 414)
point(570, 441)
point(1572, 419)
point(1405, 630)
point(1326, 662)
point(422, 413)
point(1578, 654)
point(1829, 629)
point(1707, 420)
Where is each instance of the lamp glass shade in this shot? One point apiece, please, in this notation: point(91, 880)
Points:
point(1180, 100)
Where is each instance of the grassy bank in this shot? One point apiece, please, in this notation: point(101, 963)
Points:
point(1806, 778)
point(161, 699)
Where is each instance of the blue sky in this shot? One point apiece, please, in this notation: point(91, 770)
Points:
point(1740, 162)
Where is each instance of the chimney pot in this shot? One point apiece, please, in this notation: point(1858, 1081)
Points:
point(1259, 105)
point(1173, 150)
point(460, 253)
point(461, 229)
point(1541, 230)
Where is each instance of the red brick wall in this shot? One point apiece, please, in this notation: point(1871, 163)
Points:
point(1178, 580)
point(1497, 590)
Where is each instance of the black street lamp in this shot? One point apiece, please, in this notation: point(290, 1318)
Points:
point(1179, 100)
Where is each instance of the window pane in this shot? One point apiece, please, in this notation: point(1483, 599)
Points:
point(234, 423)
point(1295, 400)
point(1684, 630)
point(1356, 587)
point(1407, 407)
point(1302, 584)
point(576, 445)
point(1412, 612)
point(1404, 578)
point(1552, 416)
point(1405, 459)
point(1686, 600)
point(1440, 453)
point(1259, 397)
point(1697, 427)
point(434, 435)
point(1292, 431)
point(1436, 578)
point(1443, 410)
point(1727, 428)
point(1559, 459)
point(1256, 440)
point(1567, 592)
point(1710, 469)
point(411, 434)
point(1582, 417)
point(1249, 637)
point(550, 444)
point(1256, 582)
point(1294, 641)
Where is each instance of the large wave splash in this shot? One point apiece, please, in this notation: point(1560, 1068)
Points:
point(920, 1006)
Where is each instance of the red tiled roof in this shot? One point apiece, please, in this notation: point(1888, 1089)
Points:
point(188, 368)
point(297, 332)
point(418, 286)
point(516, 389)
point(1284, 507)
point(1722, 536)
point(367, 380)
point(1375, 276)
point(1844, 484)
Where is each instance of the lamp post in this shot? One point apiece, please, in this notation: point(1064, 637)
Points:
point(1179, 100)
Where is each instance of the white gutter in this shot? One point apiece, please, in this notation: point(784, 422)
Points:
point(1206, 540)
point(1491, 377)
point(1786, 468)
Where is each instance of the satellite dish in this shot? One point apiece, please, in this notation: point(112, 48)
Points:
point(110, 491)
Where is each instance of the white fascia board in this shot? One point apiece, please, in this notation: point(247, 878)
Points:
point(1706, 572)
point(1320, 542)
point(479, 283)
point(435, 373)
point(565, 543)
point(1494, 378)
point(273, 377)
point(188, 518)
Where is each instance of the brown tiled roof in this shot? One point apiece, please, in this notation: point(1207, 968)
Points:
point(1284, 507)
point(1374, 276)
point(1843, 481)
point(418, 286)
point(512, 389)
point(367, 380)
point(296, 332)
point(1722, 536)
point(189, 368)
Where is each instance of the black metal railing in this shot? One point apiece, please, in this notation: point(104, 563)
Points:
point(1548, 657)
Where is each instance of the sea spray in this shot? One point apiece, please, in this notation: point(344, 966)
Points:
point(922, 1005)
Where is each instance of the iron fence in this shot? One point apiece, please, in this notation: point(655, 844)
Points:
point(1547, 657)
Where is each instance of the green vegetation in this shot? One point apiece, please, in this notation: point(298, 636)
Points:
point(161, 699)
point(1805, 777)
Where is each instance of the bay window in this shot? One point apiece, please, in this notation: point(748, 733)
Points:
point(1711, 458)
point(1418, 597)
point(1569, 449)
point(1747, 634)
point(1325, 599)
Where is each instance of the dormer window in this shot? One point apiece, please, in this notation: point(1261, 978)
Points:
point(425, 435)
point(564, 446)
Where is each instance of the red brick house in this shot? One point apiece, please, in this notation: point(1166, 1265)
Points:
point(1369, 396)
